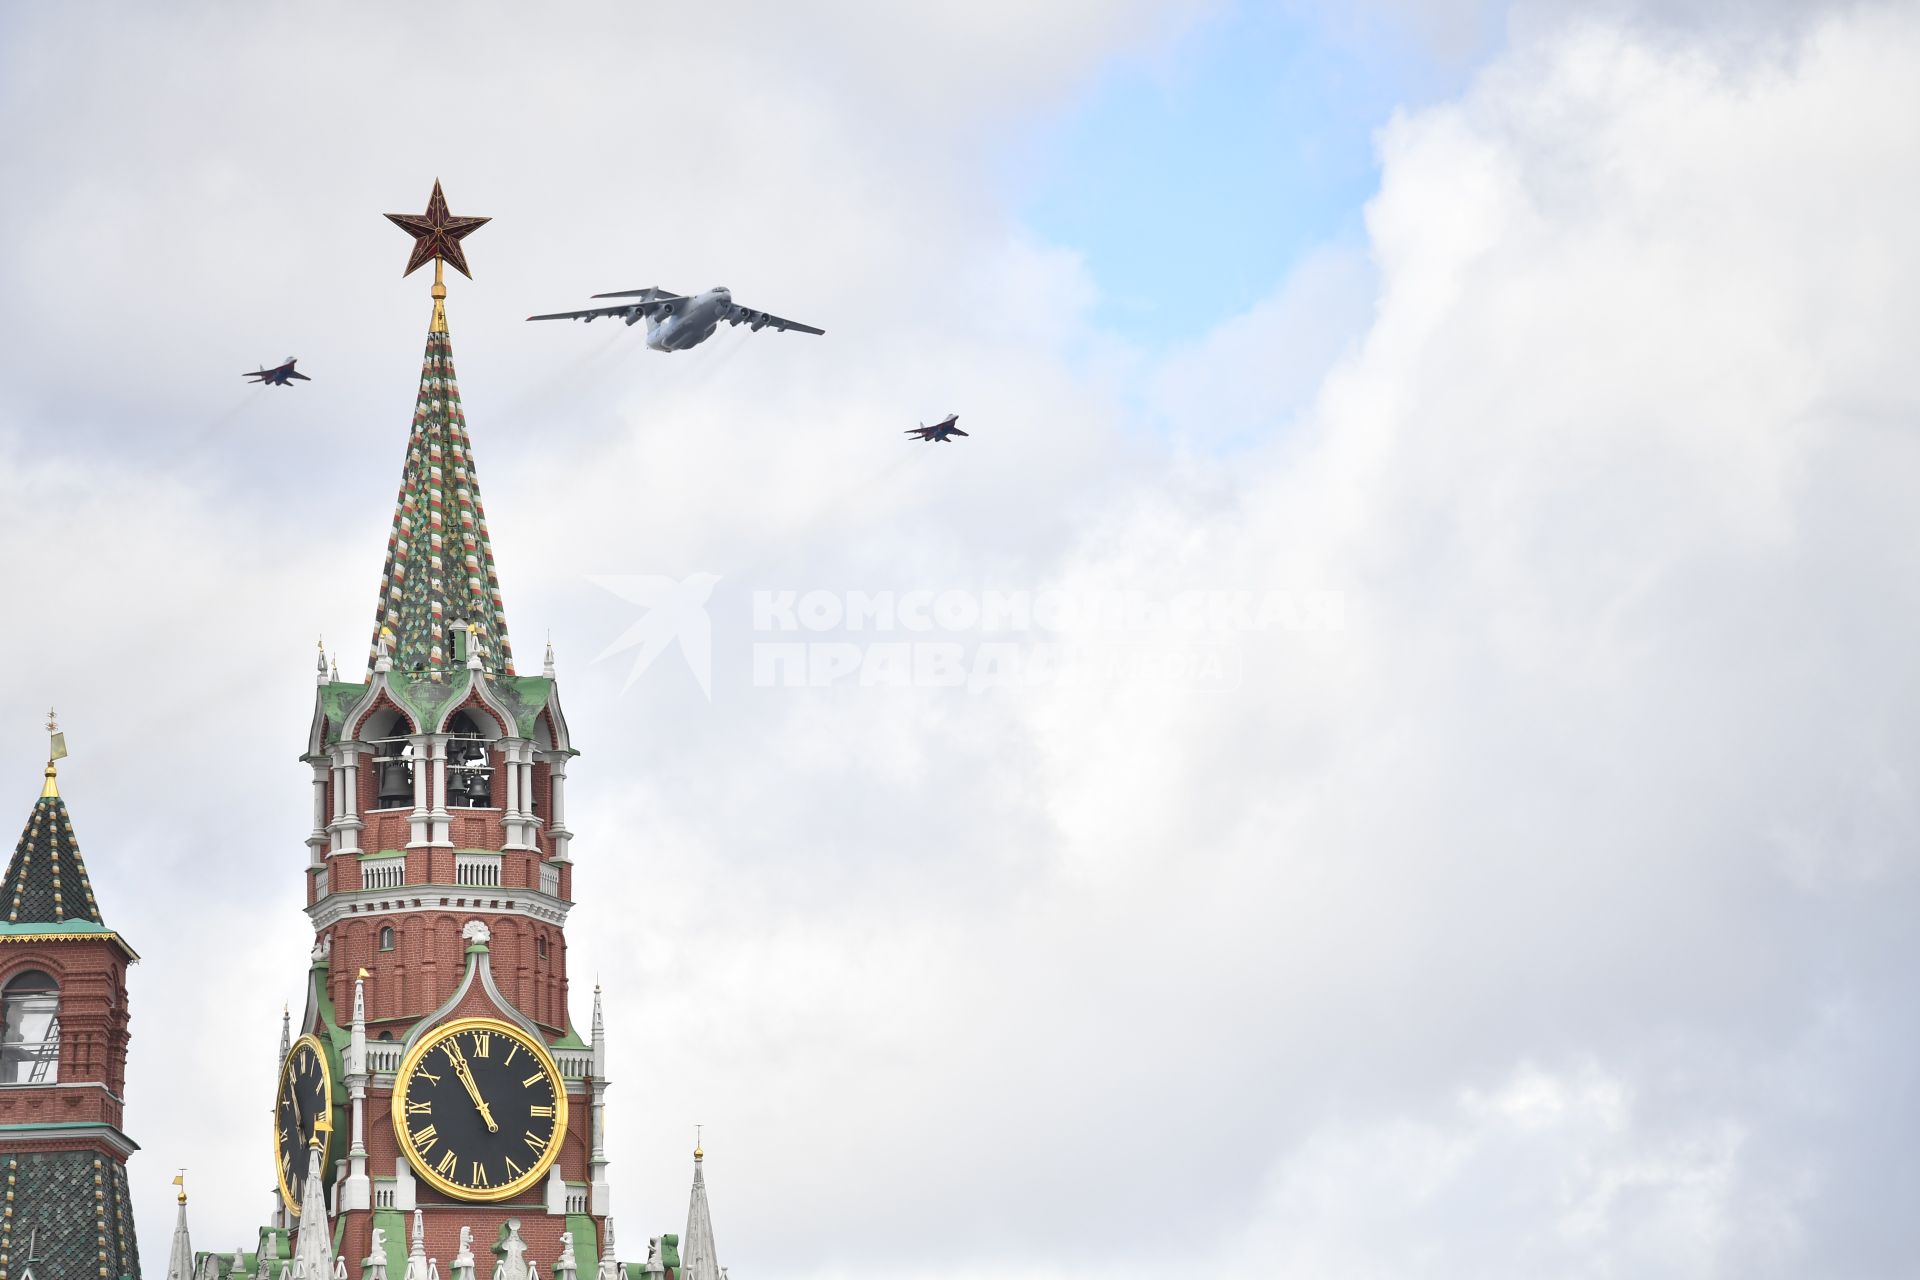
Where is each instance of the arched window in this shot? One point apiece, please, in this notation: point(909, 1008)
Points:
point(540, 946)
point(469, 768)
point(386, 938)
point(30, 1029)
point(393, 764)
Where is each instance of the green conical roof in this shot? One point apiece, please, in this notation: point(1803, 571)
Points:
point(440, 576)
point(46, 881)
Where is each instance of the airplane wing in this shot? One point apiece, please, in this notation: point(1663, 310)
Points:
point(651, 293)
point(955, 431)
point(758, 320)
point(629, 311)
point(303, 377)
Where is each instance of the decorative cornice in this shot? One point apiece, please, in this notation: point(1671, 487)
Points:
point(25, 1134)
point(351, 904)
point(77, 935)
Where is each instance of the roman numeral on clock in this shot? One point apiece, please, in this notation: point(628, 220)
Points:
point(538, 1144)
point(419, 1108)
point(482, 1040)
point(479, 1178)
point(424, 1139)
point(445, 1167)
point(540, 1111)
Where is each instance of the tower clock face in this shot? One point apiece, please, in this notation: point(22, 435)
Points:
point(301, 1108)
point(479, 1109)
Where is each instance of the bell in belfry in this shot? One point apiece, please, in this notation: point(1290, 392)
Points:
point(396, 782)
point(480, 782)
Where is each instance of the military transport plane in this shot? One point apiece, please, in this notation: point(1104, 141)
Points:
point(676, 322)
point(944, 430)
point(277, 377)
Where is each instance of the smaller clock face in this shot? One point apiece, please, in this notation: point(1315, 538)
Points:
point(300, 1109)
point(479, 1108)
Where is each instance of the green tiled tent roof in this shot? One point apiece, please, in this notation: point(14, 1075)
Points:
point(46, 881)
point(439, 576)
point(73, 1210)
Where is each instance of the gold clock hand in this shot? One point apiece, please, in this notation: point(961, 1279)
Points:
point(461, 1069)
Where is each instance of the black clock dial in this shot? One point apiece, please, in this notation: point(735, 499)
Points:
point(480, 1109)
point(301, 1108)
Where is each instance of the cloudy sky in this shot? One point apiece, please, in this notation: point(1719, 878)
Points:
point(1519, 880)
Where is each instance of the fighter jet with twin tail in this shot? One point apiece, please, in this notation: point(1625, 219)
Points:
point(278, 376)
point(676, 321)
point(944, 430)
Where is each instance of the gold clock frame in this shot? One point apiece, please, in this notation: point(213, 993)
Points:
point(403, 1080)
point(323, 1123)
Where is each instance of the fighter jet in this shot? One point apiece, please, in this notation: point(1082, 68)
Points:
point(944, 431)
point(675, 321)
point(277, 377)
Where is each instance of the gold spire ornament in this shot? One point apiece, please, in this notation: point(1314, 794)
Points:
point(56, 750)
point(180, 1181)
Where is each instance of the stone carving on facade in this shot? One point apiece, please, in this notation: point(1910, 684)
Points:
point(512, 1250)
point(463, 1260)
point(375, 1267)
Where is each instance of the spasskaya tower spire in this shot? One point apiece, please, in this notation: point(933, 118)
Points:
point(435, 1068)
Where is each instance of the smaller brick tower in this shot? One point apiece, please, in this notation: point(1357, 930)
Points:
point(63, 1062)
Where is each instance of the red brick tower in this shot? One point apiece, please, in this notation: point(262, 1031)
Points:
point(438, 886)
point(63, 1062)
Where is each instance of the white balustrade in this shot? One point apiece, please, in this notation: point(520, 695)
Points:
point(383, 873)
point(478, 870)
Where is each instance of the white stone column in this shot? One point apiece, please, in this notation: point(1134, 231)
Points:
point(419, 823)
point(335, 817)
point(405, 1194)
point(510, 797)
point(557, 819)
point(442, 821)
point(357, 1192)
point(346, 824)
point(518, 819)
point(319, 843)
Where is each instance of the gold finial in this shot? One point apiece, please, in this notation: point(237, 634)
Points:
point(180, 1181)
point(56, 750)
point(698, 1154)
point(364, 974)
point(439, 324)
